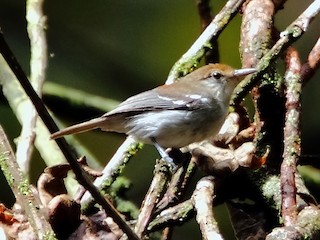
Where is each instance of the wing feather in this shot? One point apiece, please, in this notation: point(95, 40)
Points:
point(154, 100)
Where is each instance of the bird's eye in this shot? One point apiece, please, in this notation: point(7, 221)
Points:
point(217, 75)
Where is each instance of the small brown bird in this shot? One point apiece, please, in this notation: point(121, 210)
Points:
point(187, 111)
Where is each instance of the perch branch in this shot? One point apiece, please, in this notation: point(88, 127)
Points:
point(292, 137)
point(151, 199)
point(114, 167)
point(177, 186)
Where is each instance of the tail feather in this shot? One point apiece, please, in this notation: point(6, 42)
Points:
point(81, 127)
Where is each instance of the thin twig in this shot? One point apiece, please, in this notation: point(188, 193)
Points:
point(81, 176)
point(291, 34)
point(192, 166)
point(21, 188)
point(312, 64)
point(292, 137)
point(176, 214)
point(167, 233)
point(175, 190)
point(159, 181)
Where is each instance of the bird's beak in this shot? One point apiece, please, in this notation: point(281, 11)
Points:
point(244, 71)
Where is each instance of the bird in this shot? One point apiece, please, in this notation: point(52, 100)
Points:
point(190, 110)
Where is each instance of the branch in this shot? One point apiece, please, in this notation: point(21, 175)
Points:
point(292, 137)
point(20, 186)
point(176, 214)
point(178, 183)
point(20, 105)
point(78, 98)
point(256, 28)
point(306, 227)
point(203, 202)
point(114, 167)
point(312, 64)
point(38, 63)
point(36, 30)
point(151, 199)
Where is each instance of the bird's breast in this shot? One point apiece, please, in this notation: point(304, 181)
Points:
point(176, 128)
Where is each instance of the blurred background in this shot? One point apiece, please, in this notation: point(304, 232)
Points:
point(116, 49)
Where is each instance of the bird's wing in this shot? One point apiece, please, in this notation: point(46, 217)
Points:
point(154, 100)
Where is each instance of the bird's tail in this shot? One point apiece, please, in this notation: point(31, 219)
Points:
point(81, 127)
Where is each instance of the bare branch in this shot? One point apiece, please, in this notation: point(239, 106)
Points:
point(304, 228)
point(178, 214)
point(312, 64)
point(22, 191)
point(151, 199)
point(112, 170)
point(203, 202)
point(38, 64)
point(292, 137)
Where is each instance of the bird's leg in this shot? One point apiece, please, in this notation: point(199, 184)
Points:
point(164, 155)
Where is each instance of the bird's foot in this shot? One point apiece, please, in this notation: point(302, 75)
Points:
point(170, 162)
